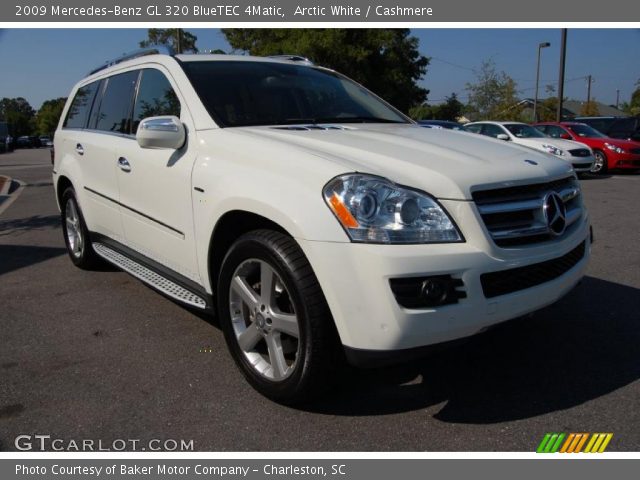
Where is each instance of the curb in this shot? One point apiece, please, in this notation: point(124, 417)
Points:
point(7, 185)
point(9, 198)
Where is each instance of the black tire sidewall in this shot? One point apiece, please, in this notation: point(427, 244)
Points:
point(247, 248)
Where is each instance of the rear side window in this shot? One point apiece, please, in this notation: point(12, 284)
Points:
point(155, 97)
point(491, 130)
point(555, 132)
point(473, 128)
point(80, 107)
point(115, 106)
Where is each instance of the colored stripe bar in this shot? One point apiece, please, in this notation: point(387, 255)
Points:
point(556, 446)
point(567, 442)
point(606, 442)
point(543, 443)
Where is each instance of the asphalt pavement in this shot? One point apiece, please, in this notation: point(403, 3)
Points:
point(98, 355)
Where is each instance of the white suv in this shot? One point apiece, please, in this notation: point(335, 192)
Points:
point(319, 222)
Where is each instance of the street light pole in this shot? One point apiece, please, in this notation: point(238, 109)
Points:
point(563, 55)
point(535, 99)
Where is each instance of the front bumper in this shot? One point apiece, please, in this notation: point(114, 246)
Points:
point(626, 160)
point(582, 164)
point(355, 281)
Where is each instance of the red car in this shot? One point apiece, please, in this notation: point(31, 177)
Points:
point(609, 152)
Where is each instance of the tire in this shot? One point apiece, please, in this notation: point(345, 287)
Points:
point(279, 365)
point(76, 234)
point(600, 164)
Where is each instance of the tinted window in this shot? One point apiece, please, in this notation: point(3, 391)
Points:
point(155, 97)
point(521, 130)
point(79, 110)
point(601, 124)
point(115, 106)
point(239, 94)
point(586, 131)
point(624, 125)
point(555, 132)
point(491, 130)
point(472, 128)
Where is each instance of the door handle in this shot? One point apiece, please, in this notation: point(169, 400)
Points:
point(79, 149)
point(124, 164)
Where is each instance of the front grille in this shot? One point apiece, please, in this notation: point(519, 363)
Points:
point(635, 151)
point(508, 281)
point(580, 152)
point(516, 216)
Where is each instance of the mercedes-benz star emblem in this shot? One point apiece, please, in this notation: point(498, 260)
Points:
point(555, 213)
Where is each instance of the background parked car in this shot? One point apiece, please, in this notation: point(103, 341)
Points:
point(45, 141)
point(579, 155)
point(627, 128)
point(440, 123)
point(608, 152)
point(26, 141)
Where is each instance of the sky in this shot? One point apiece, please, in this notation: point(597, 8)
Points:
point(39, 64)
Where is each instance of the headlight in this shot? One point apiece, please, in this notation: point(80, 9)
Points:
point(614, 148)
point(553, 150)
point(375, 210)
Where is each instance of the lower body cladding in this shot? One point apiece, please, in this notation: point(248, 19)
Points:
point(475, 289)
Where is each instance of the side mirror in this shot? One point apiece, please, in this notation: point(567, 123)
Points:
point(503, 136)
point(566, 136)
point(161, 132)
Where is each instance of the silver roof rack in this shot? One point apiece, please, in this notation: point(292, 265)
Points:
point(292, 58)
point(154, 50)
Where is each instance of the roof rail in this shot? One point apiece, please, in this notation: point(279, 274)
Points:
point(292, 58)
point(153, 50)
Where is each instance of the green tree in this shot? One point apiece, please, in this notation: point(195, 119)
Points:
point(46, 120)
point(451, 109)
point(494, 94)
point(633, 106)
point(386, 61)
point(177, 38)
point(421, 112)
point(590, 109)
point(18, 114)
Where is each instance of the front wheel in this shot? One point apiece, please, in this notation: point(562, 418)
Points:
point(76, 234)
point(600, 162)
point(275, 319)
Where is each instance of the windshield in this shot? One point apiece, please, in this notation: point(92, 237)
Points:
point(586, 131)
point(524, 131)
point(240, 94)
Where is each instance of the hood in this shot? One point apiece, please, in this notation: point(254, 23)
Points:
point(447, 164)
point(556, 142)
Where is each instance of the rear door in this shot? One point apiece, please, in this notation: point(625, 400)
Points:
point(155, 186)
point(107, 129)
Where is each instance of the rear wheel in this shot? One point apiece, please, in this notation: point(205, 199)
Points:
point(600, 162)
point(76, 235)
point(275, 318)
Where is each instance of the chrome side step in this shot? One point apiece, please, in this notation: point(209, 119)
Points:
point(148, 276)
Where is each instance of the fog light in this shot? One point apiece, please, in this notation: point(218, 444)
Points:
point(434, 290)
point(423, 292)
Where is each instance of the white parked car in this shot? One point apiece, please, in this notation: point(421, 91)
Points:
point(577, 154)
point(319, 222)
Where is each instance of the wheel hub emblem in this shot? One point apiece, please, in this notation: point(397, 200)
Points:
point(555, 213)
point(260, 322)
